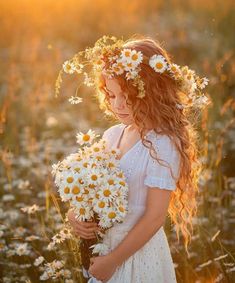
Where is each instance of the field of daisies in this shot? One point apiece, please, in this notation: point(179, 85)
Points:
point(37, 130)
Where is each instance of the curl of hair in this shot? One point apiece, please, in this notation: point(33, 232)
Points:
point(159, 107)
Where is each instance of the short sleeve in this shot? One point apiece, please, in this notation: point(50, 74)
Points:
point(158, 175)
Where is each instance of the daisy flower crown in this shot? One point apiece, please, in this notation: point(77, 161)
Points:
point(125, 61)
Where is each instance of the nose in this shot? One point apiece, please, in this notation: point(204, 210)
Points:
point(119, 103)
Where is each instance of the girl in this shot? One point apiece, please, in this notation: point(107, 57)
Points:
point(158, 155)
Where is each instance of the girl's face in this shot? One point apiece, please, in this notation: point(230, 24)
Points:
point(117, 99)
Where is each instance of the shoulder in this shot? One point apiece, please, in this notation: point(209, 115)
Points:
point(162, 143)
point(110, 132)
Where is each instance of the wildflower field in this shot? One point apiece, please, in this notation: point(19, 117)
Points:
point(37, 129)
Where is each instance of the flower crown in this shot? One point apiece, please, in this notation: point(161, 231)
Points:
point(126, 61)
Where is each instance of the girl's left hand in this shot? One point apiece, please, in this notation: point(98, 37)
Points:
point(102, 267)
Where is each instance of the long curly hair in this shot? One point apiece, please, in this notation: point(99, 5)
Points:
point(159, 107)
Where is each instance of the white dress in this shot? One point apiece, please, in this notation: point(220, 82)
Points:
point(153, 262)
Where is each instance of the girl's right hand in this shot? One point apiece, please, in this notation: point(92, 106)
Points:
point(83, 229)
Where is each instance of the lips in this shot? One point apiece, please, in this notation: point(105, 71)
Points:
point(122, 115)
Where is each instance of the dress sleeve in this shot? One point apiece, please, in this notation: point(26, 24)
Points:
point(158, 175)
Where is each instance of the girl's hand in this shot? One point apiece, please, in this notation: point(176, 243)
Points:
point(83, 229)
point(102, 267)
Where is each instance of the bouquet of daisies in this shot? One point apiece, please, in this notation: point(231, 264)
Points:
point(93, 183)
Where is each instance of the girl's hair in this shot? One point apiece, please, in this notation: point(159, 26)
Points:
point(159, 107)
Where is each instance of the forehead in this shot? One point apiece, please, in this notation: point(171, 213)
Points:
point(113, 85)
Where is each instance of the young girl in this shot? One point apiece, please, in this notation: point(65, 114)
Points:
point(158, 155)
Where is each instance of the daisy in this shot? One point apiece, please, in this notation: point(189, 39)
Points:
point(100, 248)
point(39, 260)
point(105, 222)
point(98, 64)
point(108, 73)
point(126, 54)
point(111, 214)
point(100, 206)
point(86, 138)
point(158, 63)
point(107, 193)
point(174, 69)
point(31, 209)
point(129, 66)
point(132, 74)
point(69, 67)
point(22, 249)
point(136, 57)
point(88, 81)
point(201, 83)
point(75, 99)
point(118, 69)
point(93, 177)
point(83, 213)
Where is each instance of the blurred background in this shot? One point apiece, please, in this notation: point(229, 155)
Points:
point(37, 129)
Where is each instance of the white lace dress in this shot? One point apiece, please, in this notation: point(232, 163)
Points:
point(153, 262)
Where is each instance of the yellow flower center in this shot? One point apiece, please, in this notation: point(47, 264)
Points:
point(79, 199)
point(82, 211)
point(92, 186)
point(127, 53)
point(120, 175)
point(110, 165)
point(97, 196)
point(111, 215)
point(122, 183)
point(159, 65)
point(107, 193)
point(77, 169)
point(134, 57)
point(101, 204)
point(121, 208)
point(70, 179)
point(94, 177)
point(110, 181)
point(76, 190)
point(85, 164)
point(80, 181)
point(86, 137)
point(66, 190)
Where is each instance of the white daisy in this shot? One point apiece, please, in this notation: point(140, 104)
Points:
point(39, 260)
point(75, 99)
point(86, 138)
point(100, 249)
point(22, 249)
point(136, 57)
point(126, 54)
point(158, 63)
point(202, 82)
point(107, 193)
point(93, 176)
point(69, 67)
point(83, 213)
point(30, 209)
point(116, 68)
point(88, 81)
point(100, 206)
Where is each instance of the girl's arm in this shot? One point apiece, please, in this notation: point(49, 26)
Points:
point(157, 203)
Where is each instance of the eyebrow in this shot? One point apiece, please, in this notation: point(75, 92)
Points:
point(111, 90)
